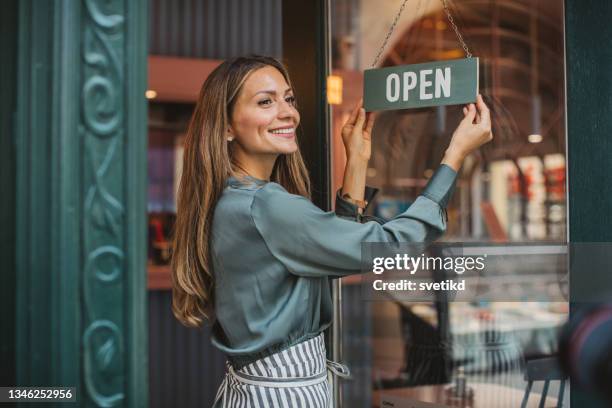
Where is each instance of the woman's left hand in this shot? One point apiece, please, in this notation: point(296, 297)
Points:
point(357, 134)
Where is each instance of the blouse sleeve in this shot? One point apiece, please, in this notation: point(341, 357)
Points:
point(312, 242)
point(350, 211)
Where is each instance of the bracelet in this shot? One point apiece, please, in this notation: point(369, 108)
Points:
point(361, 204)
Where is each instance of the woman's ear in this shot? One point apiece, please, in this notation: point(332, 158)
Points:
point(230, 134)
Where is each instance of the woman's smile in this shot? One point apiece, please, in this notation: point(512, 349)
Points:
point(287, 132)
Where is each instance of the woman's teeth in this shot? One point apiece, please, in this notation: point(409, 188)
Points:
point(282, 131)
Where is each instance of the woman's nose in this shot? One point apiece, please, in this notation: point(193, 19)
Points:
point(287, 110)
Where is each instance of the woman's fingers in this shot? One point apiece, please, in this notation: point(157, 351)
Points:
point(360, 119)
point(471, 113)
point(370, 122)
point(483, 111)
point(477, 113)
point(351, 120)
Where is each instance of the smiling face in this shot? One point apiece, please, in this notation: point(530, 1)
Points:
point(264, 118)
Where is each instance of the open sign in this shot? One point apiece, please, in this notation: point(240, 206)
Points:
point(437, 83)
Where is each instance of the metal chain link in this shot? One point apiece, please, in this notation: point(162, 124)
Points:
point(384, 44)
point(399, 13)
point(451, 20)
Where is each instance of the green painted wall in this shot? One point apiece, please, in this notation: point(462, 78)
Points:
point(589, 118)
point(80, 171)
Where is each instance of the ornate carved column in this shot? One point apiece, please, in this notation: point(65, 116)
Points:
point(81, 199)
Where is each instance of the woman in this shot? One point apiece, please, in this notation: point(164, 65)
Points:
point(253, 254)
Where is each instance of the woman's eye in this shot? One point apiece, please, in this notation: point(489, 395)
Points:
point(290, 99)
point(264, 102)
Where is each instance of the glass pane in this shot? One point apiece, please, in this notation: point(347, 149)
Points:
point(512, 190)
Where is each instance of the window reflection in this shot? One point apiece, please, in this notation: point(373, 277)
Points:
point(512, 190)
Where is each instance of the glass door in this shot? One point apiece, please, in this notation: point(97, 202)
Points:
point(511, 191)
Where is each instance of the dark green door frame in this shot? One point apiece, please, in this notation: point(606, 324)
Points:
point(589, 142)
point(305, 52)
point(79, 137)
point(8, 50)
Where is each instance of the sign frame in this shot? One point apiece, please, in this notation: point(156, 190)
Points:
point(437, 83)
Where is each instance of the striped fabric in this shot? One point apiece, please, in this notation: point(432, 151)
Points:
point(295, 377)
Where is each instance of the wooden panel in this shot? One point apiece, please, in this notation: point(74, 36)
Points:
point(185, 369)
point(214, 28)
point(159, 277)
point(178, 79)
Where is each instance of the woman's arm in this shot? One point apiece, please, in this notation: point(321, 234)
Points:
point(310, 242)
point(357, 139)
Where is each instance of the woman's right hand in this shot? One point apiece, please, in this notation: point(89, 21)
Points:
point(357, 135)
point(473, 131)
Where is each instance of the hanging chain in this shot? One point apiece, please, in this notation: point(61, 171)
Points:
point(384, 44)
point(451, 20)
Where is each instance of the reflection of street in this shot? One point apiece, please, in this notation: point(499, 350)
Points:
point(392, 345)
point(532, 327)
point(485, 396)
point(489, 343)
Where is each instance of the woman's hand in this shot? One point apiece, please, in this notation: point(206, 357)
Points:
point(357, 135)
point(357, 139)
point(473, 131)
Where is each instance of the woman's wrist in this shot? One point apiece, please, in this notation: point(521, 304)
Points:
point(354, 178)
point(357, 162)
point(453, 159)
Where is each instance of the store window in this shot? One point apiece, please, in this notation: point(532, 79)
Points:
point(512, 190)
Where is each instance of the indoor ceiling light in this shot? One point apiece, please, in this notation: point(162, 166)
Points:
point(534, 138)
point(334, 90)
point(150, 94)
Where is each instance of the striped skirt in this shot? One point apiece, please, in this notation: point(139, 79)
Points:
point(296, 377)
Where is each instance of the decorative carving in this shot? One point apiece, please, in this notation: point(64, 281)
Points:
point(102, 132)
point(101, 95)
point(102, 349)
point(109, 21)
point(105, 264)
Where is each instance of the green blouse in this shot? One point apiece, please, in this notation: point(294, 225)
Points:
point(273, 253)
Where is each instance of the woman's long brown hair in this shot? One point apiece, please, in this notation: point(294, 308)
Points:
point(207, 164)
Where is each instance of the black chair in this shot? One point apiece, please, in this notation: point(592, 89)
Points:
point(547, 370)
point(427, 352)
